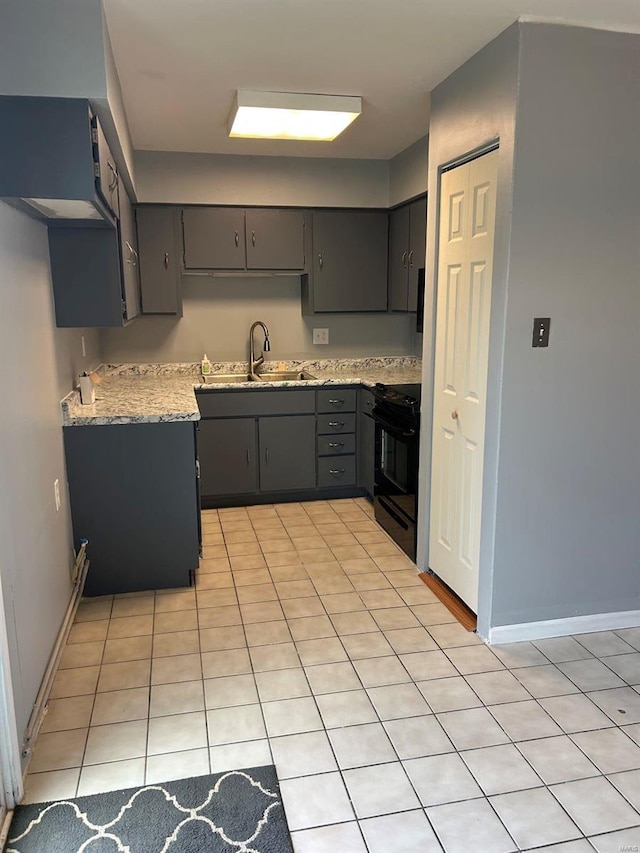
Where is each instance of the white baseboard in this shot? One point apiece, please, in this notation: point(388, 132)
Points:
point(563, 627)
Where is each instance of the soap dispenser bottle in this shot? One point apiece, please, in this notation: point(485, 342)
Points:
point(206, 365)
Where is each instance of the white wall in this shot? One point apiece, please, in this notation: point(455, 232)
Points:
point(35, 540)
point(409, 172)
point(219, 311)
point(176, 178)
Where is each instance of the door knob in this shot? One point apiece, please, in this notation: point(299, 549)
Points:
point(455, 415)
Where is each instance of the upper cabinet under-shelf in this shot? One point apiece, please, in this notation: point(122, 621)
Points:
point(237, 239)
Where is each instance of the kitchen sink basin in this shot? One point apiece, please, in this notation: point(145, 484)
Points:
point(223, 378)
point(282, 376)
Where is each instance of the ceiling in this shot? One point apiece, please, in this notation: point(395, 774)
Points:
point(181, 61)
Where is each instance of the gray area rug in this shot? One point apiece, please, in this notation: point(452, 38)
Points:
point(239, 811)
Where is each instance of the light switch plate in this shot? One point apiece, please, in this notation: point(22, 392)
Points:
point(321, 336)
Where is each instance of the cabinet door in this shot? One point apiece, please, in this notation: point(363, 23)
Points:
point(350, 261)
point(108, 180)
point(417, 247)
point(159, 260)
point(287, 453)
point(213, 238)
point(129, 258)
point(275, 239)
point(86, 276)
point(398, 258)
point(227, 454)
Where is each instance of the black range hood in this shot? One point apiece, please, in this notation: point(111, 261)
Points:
point(55, 163)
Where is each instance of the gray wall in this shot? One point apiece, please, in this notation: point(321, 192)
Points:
point(472, 108)
point(560, 533)
point(232, 179)
point(568, 537)
point(38, 364)
point(219, 311)
point(409, 172)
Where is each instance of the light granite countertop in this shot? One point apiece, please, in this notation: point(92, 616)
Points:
point(159, 393)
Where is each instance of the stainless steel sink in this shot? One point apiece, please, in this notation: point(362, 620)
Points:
point(232, 378)
point(223, 378)
point(282, 376)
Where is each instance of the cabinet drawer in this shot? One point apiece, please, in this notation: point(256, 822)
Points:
point(330, 445)
point(336, 471)
point(366, 401)
point(328, 424)
point(225, 404)
point(338, 400)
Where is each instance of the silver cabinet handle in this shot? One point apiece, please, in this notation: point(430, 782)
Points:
point(404, 260)
point(337, 402)
point(237, 239)
point(336, 444)
point(266, 455)
point(336, 424)
point(320, 260)
point(336, 471)
point(411, 259)
point(248, 456)
point(166, 260)
point(253, 239)
point(113, 183)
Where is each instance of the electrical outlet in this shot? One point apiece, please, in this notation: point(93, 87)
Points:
point(321, 336)
point(84, 346)
point(56, 493)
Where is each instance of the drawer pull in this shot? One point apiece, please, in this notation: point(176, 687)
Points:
point(336, 444)
point(336, 424)
point(336, 471)
point(337, 402)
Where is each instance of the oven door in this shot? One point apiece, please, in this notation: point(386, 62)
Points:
point(396, 480)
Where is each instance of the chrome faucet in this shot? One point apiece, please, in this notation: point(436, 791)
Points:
point(254, 363)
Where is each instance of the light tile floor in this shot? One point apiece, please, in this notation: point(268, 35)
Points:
point(309, 641)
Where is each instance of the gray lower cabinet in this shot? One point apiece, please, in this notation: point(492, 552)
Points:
point(287, 453)
point(407, 247)
point(159, 252)
point(227, 456)
point(134, 496)
point(349, 270)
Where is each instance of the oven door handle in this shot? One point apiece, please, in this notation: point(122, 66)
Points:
point(410, 433)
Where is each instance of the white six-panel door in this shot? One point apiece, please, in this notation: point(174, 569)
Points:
point(465, 260)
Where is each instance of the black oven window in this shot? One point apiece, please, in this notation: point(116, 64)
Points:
point(395, 461)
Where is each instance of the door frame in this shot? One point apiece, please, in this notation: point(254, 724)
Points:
point(11, 782)
point(494, 373)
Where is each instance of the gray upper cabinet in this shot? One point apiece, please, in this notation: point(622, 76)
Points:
point(107, 177)
point(230, 238)
point(158, 248)
point(287, 453)
point(129, 261)
point(275, 239)
point(350, 249)
point(407, 248)
point(214, 238)
point(87, 276)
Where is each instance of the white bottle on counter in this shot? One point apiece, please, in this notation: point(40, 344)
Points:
point(206, 365)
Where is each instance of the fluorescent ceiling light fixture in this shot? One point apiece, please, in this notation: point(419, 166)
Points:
point(287, 115)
